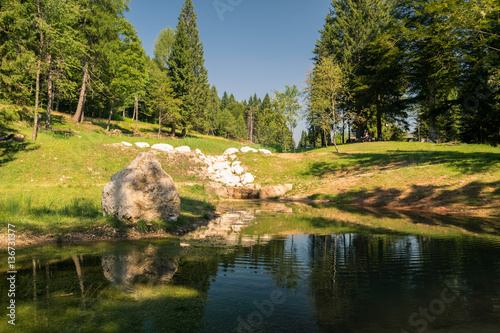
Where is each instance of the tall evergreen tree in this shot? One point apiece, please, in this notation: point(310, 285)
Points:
point(200, 89)
point(180, 71)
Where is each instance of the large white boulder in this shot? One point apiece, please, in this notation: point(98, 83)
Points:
point(231, 151)
point(126, 144)
point(183, 149)
point(265, 151)
point(142, 144)
point(248, 149)
point(163, 147)
point(141, 191)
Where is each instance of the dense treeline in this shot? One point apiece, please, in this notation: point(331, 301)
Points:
point(382, 66)
point(85, 58)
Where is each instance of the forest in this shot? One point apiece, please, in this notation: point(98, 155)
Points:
point(383, 69)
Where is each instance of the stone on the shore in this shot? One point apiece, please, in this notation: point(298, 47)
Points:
point(231, 151)
point(248, 149)
point(141, 191)
point(274, 191)
point(142, 144)
point(183, 149)
point(163, 147)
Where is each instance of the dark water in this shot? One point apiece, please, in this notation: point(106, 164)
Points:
point(221, 279)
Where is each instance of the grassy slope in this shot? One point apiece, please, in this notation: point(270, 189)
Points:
point(440, 177)
point(54, 185)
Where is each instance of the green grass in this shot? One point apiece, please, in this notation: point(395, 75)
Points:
point(463, 178)
point(54, 185)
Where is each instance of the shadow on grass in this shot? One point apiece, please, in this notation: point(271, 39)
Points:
point(50, 218)
point(9, 150)
point(474, 194)
point(477, 225)
point(467, 163)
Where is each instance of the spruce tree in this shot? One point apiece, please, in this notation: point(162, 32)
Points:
point(200, 89)
point(181, 75)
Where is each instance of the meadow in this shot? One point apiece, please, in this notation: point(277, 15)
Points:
point(53, 186)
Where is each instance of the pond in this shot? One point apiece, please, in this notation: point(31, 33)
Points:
point(271, 268)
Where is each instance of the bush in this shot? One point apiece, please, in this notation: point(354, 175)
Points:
point(11, 113)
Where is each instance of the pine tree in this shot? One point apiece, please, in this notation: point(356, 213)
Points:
point(180, 66)
point(200, 89)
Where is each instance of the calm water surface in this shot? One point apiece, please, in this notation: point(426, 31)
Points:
point(242, 273)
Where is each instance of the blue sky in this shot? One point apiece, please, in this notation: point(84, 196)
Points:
point(253, 46)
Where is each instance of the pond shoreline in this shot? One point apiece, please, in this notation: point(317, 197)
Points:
point(108, 233)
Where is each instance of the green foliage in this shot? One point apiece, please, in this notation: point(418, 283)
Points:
point(286, 105)
point(163, 46)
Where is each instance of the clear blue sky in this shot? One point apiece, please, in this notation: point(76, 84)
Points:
point(258, 46)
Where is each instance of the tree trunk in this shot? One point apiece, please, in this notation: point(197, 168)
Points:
point(83, 93)
point(110, 114)
point(37, 95)
point(50, 96)
point(172, 132)
point(432, 111)
point(79, 274)
point(184, 132)
point(37, 92)
point(284, 139)
point(293, 143)
point(136, 111)
point(334, 117)
point(159, 126)
point(380, 137)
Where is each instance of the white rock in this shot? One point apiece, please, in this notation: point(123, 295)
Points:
point(231, 151)
point(183, 149)
point(265, 151)
point(211, 169)
point(163, 147)
point(126, 144)
point(248, 149)
point(238, 169)
point(235, 163)
point(142, 144)
point(197, 151)
point(221, 166)
point(247, 178)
